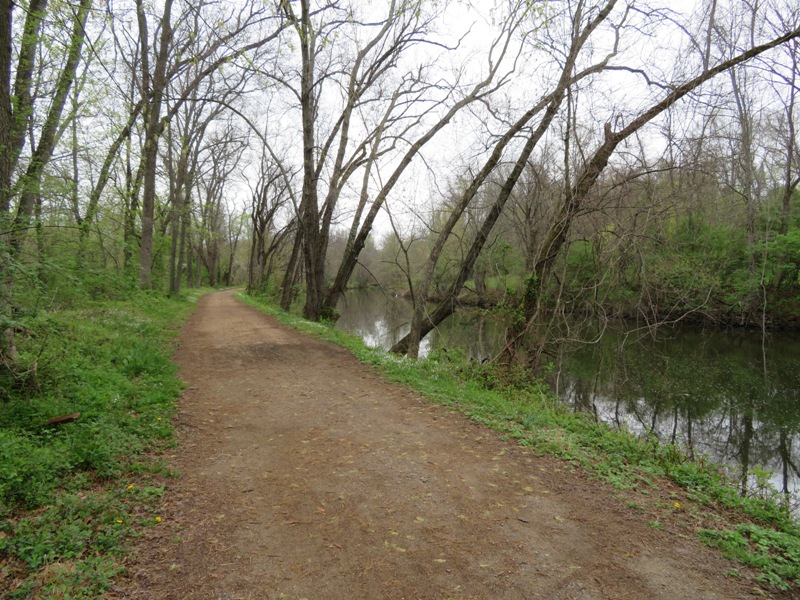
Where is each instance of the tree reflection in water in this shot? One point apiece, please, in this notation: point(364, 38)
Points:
point(716, 393)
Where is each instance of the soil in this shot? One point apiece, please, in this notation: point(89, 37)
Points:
point(303, 474)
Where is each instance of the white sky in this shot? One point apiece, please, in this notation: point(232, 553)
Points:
point(612, 96)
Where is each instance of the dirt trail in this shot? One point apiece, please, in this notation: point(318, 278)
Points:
point(304, 475)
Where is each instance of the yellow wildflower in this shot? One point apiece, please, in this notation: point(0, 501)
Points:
point(677, 505)
point(119, 520)
point(158, 519)
point(130, 487)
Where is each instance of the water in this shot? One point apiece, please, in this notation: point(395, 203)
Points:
point(728, 395)
point(731, 395)
point(381, 320)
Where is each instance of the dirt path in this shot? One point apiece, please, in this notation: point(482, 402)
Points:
point(304, 475)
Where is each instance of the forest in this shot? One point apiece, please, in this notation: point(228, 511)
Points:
point(629, 159)
point(553, 162)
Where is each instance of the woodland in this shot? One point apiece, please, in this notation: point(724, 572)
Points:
point(553, 161)
point(630, 159)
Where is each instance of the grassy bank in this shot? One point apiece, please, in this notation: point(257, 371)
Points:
point(759, 532)
point(72, 493)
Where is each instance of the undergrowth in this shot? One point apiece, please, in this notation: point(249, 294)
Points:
point(521, 407)
point(72, 493)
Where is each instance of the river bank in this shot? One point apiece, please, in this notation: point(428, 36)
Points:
point(715, 315)
point(729, 395)
point(641, 469)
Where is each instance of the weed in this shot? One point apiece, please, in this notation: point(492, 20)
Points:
point(66, 515)
point(774, 553)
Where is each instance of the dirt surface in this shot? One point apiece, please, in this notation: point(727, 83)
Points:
point(305, 475)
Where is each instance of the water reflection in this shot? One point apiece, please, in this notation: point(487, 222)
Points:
point(378, 318)
point(382, 319)
point(728, 395)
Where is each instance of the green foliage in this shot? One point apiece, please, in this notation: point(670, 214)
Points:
point(67, 512)
point(581, 262)
point(27, 469)
point(783, 260)
point(59, 532)
point(52, 282)
point(677, 265)
point(72, 548)
point(775, 554)
point(105, 362)
point(688, 264)
point(700, 265)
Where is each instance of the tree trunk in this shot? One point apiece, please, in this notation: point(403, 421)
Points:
point(6, 111)
point(7, 343)
point(790, 178)
point(177, 219)
point(30, 181)
point(17, 110)
point(290, 276)
point(189, 269)
point(154, 97)
point(310, 216)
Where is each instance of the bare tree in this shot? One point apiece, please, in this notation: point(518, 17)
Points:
point(198, 44)
point(584, 25)
point(578, 186)
point(589, 175)
point(383, 102)
point(270, 197)
point(222, 151)
point(784, 74)
point(403, 26)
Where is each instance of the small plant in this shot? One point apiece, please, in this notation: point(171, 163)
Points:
point(66, 516)
point(733, 573)
point(774, 553)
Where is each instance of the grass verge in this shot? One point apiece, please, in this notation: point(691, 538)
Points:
point(71, 494)
point(767, 538)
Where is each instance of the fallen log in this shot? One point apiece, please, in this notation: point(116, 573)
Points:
point(62, 419)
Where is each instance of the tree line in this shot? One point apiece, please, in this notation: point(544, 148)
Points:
point(586, 156)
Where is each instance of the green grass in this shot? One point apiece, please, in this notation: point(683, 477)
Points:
point(521, 408)
point(774, 554)
point(72, 494)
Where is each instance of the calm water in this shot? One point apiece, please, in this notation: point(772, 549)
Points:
point(729, 395)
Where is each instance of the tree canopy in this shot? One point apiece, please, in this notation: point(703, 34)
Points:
point(540, 155)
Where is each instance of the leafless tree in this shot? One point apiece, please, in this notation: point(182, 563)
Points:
point(383, 103)
point(784, 75)
point(584, 23)
point(585, 20)
point(270, 198)
point(222, 151)
point(185, 41)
